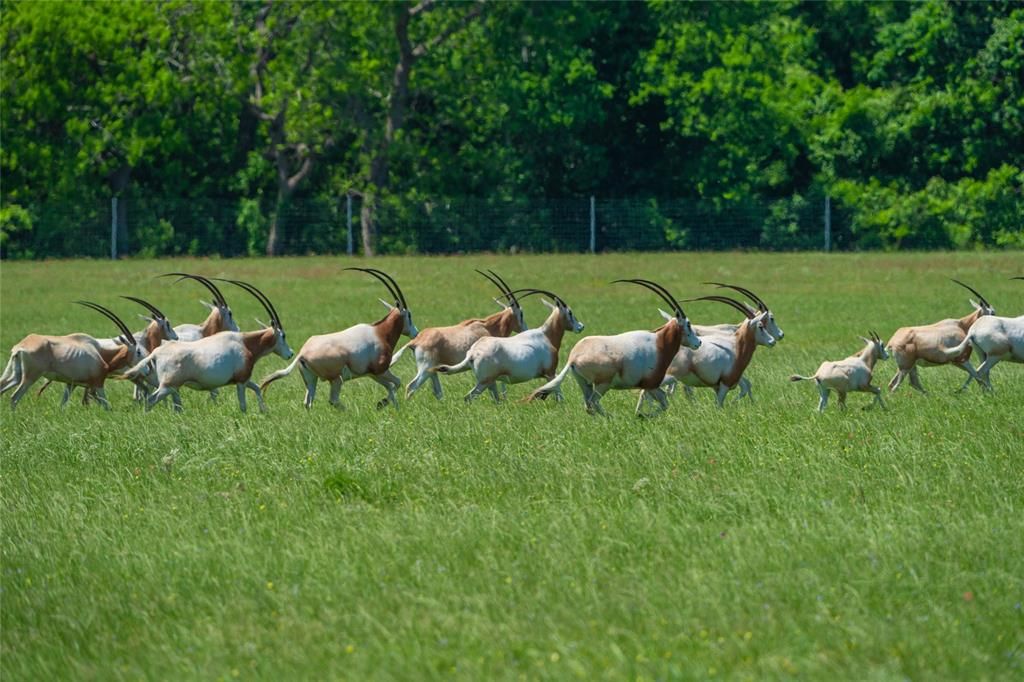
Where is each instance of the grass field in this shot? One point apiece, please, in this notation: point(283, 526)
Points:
point(521, 540)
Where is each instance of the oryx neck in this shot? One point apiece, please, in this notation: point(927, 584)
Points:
point(554, 328)
point(389, 329)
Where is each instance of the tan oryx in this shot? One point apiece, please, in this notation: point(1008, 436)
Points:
point(636, 359)
point(448, 345)
point(220, 318)
point(214, 361)
point(362, 350)
point(849, 375)
point(75, 360)
point(730, 329)
point(523, 357)
point(934, 344)
point(720, 361)
point(156, 332)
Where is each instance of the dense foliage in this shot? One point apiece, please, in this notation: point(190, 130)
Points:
point(241, 127)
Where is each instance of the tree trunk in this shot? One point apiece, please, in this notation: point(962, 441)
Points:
point(368, 223)
point(118, 181)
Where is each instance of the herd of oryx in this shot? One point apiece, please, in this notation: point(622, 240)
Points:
point(499, 350)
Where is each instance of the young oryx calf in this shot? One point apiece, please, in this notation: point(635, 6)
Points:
point(530, 355)
point(448, 345)
point(362, 350)
point(214, 361)
point(720, 361)
point(636, 359)
point(220, 318)
point(851, 374)
point(931, 345)
point(76, 360)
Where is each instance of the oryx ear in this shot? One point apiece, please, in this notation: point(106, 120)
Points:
point(207, 304)
point(501, 304)
point(667, 316)
point(145, 317)
point(263, 325)
point(386, 304)
point(865, 339)
point(548, 303)
point(974, 304)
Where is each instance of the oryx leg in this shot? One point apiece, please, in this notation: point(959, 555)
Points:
point(100, 396)
point(390, 382)
point(477, 390)
point(972, 375)
point(897, 379)
point(878, 395)
point(335, 399)
point(688, 390)
point(213, 396)
point(162, 393)
point(493, 390)
point(435, 384)
point(422, 375)
point(822, 397)
point(915, 380)
point(983, 371)
point(21, 391)
point(842, 399)
point(655, 394)
point(310, 380)
point(587, 389)
point(240, 390)
point(595, 399)
point(720, 394)
point(744, 385)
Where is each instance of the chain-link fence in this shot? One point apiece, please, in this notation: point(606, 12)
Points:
point(157, 226)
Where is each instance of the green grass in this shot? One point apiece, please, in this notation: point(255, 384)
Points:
point(521, 540)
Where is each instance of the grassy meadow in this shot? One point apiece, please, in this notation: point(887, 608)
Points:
point(483, 541)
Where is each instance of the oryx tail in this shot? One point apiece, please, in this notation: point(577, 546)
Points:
point(552, 386)
point(281, 373)
point(454, 369)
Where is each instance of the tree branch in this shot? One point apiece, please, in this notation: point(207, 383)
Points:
point(423, 49)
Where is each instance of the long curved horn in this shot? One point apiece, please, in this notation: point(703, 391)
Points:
point(761, 305)
point(497, 281)
point(219, 297)
point(658, 289)
point(975, 292)
point(387, 281)
point(502, 280)
point(728, 301)
point(148, 306)
point(129, 337)
point(530, 292)
point(275, 320)
point(1017, 278)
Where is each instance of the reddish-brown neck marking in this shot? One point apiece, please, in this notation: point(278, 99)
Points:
point(152, 336)
point(257, 344)
point(746, 342)
point(554, 328)
point(667, 339)
point(213, 324)
point(116, 358)
point(390, 328)
point(966, 322)
point(501, 323)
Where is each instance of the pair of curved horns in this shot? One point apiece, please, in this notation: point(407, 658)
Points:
point(497, 281)
point(743, 308)
point(875, 336)
point(218, 297)
point(658, 289)
point(148, 306)
point(761, 305)
point(275, 320)
point(127, 337)
point(530, 292)
point(389, 282)
point(981, 299)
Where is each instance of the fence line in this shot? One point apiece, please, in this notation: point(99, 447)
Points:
point(145, 225)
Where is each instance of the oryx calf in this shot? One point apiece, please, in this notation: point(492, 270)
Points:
point(530, 355)
point(362, 350)
point(852, 374)
point(75, 360)
point(214, 361)
point(636, 359)
point(448, 345)
point(932, 345)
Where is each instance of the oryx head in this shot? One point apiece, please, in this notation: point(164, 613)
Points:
point(165, 330)
point(756, 320)
point(219, 305)
point(876, 345)
point(509, 296)
point(125, 338)
point(772, 325)
point(281, 342)
point(690, 338)
point(981, 305)
point(408, 328)
point(565, 314)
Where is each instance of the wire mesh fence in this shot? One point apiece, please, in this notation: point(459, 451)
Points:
point(146, 225)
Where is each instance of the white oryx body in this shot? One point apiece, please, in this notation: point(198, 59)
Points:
point(448, 345)
point(933, 345)
point(849, 375)
point(720, 361)
point(524, 357)
point(214, 361)
point(74, 359)
point(361, 350)
point(995, 339)
point(635, 359)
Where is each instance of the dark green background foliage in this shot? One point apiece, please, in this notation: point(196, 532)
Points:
point(241, 127)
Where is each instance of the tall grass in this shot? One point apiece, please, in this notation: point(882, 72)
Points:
point(521, 540)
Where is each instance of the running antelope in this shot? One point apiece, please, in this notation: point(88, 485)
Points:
point(932, 345)
point(530, 355)
point(995, 339)
point(852, 374)
point(214, 361)
point(362, 350)
point(636, 359)
point(448, 345)
point(220, 318)
point(75, 360)
point(720, 361)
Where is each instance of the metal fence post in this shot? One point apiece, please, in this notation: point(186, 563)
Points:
point(828, 223)
point(593, 224)
point(348, 214)
point(113, 228)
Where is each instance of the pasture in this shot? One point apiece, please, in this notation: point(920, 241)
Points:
point(520, 540)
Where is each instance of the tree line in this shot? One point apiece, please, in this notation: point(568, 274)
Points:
point(909, 116)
